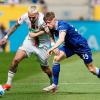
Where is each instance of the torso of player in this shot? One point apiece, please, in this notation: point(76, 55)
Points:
point(72, 38)
point(44, 38)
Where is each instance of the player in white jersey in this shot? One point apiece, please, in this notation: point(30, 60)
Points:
point(36, 25)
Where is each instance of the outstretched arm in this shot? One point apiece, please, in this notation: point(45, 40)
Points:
point(58, 43)
point(35, 34)
point(10, 31)
point(42, 29)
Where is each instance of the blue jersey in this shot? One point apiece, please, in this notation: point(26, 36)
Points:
point(74, 43)
point(73, 39)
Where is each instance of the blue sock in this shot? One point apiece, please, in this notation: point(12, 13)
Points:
point(55, 72)
point(98, 72)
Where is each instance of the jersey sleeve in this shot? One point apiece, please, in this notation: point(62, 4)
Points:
point(62, 27)
point(40, 20)
point(21, 19)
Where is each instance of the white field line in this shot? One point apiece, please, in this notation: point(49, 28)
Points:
point(59, 83)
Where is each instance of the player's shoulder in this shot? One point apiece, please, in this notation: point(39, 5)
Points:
point(40, 20)
point(41, 14)
point(25, 15)
point(22, 18)
point(62, 25)
point(62, 22)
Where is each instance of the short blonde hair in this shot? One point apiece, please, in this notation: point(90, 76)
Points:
point(33, 9)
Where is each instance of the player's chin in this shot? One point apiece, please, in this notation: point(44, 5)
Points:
point(50, 27)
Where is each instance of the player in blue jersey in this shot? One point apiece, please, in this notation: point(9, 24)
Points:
point(74, 43)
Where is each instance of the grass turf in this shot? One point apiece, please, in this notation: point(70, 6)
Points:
point(75, 83)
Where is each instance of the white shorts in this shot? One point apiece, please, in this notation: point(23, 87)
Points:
point(29, 48)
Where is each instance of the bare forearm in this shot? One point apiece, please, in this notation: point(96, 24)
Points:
point(11, 30)
point(36, 34)
point(39, 33)
point(57, 44)
point(60, 40)
point(4, 40)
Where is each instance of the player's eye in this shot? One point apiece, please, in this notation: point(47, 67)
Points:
point(31, 17)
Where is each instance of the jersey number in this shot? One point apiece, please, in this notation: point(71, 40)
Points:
point(85, 56)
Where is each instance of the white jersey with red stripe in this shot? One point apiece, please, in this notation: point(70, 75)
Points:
point(44, 41)
point(44, 38)
point(25, 18)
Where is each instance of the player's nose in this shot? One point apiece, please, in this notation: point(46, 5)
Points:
point(31, 19)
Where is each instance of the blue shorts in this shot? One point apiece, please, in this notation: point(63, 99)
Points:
point(86, 56)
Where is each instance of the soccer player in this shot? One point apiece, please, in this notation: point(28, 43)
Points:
point(74, 43)
point(38, 46)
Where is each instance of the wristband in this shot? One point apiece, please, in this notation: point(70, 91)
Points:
point(6, 36)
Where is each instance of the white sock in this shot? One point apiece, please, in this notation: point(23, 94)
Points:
point(10, 77)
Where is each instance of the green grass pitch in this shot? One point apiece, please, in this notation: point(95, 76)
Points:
point(75, 83)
